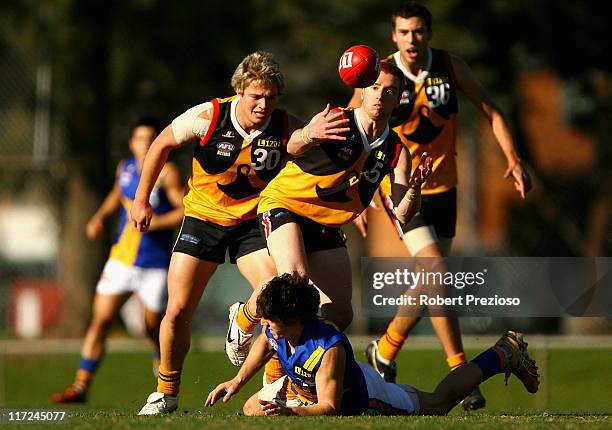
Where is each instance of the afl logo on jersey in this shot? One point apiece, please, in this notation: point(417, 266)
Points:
point(273, 344)
point(225, 149)
point(405, 97)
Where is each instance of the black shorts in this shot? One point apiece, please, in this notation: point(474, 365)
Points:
point(437, 210)
point(209, 241)
point(316, 237)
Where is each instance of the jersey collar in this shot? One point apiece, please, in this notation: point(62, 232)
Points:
point(364, 138)
point(422, 75)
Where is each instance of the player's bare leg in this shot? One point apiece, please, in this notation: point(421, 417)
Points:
point(152, 322)
point(187, 279)
point(330, 271)
point(382, 354)
point(286, 246)
point(509, 355)
point(257, 268)
point(105, 310)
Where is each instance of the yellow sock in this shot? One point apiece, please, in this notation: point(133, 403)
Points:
point(390, 343)
point(82, 380)
point(273, 370)
point(456, 360)
point(168, 381)
point(246, 320)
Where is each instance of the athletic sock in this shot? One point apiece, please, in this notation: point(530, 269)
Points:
point(273, 369)
point(82, 379)
point(456, 360)
point(168, 381)
point(246, 320)
point(492, 361)
point(390, 344)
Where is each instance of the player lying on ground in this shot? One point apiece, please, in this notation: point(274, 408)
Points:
point(321, 369)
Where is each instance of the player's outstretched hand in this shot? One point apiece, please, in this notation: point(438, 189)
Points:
point(271, 409)
point(141, 214)
point(522, 180)
point(329, 124)
point(422, 172)
point(226, 390)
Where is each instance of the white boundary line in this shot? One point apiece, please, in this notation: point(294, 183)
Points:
point(127, 345)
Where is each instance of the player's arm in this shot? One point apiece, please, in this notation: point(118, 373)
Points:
point(259, 354)
point(329, 381)
point(480, 97)
point(171, 180)
point(406, 189)
point(109, 206)
point(192, 124)
point(329, 124)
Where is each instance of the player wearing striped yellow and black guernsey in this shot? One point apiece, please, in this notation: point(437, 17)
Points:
point(333, 182)
point(331, 179)
point(138, 262)
point(240, 146)
point(339, 160)
point(426, 121)
point(319, 364)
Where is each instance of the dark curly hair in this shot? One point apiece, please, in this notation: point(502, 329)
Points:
point(289, 298)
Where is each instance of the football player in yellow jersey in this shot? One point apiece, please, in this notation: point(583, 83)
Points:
point(138, 262)
point(328, 183)
point(240, 147)
point(426, 122)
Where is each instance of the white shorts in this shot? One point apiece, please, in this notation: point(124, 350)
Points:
point(148, 284)
point(386, 398)
point(276, 392)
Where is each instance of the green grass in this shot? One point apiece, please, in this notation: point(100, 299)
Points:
point(575, 393)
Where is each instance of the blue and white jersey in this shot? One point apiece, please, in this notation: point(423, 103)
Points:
point(131, 247)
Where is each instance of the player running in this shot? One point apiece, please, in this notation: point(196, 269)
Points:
point(241, 146)
point(426, 121)
point(138, 262)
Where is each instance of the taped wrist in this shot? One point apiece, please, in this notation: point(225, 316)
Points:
point(408, 206)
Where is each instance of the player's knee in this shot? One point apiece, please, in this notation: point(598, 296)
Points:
point(341, 316)
point(100, 325)
point(176, 312)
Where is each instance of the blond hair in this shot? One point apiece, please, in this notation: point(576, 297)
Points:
point(258, 66)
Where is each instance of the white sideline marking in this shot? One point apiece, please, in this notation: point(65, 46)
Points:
point(212, 344)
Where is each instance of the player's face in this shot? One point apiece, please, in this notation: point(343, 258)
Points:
point(382, 97)
point(142, 137)
point(277, 328)
point(412, 39)
point(256, 104)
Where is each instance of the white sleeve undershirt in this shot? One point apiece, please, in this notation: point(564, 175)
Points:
point(189, 125)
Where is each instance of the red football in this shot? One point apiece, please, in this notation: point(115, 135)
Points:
point(359, 66)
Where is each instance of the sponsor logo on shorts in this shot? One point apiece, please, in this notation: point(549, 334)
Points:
point(190, 238)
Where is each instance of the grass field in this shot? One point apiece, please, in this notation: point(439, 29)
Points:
point(575, 394)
